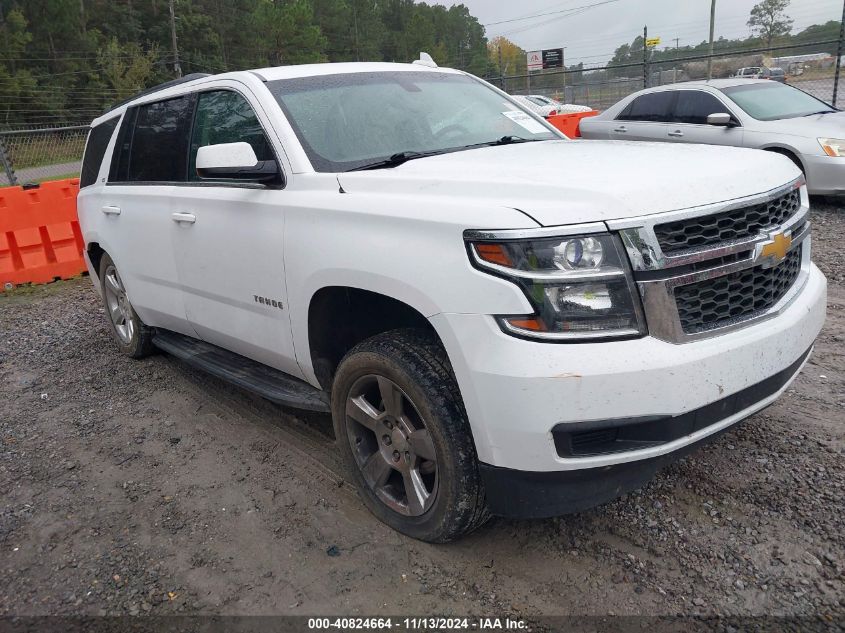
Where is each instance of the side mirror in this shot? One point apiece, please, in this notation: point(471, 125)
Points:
point(722, 119)
point(234, 161)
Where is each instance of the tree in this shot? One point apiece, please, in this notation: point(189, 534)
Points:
point(500, 50)
point(289, 32)
point(769, 20)
point(127, 67)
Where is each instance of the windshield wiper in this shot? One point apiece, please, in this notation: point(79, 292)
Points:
point(510, 140)
point(401, 158)
point(504, 140)
point(821, 112)
point(397, 159)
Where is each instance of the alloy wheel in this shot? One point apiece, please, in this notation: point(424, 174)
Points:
point(117, 304)
point(391, 445)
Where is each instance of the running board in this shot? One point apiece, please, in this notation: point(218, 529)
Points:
point(243, 372)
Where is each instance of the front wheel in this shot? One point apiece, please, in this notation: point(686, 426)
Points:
point(401, 426)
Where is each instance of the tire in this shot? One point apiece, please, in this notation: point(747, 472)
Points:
point(395, 404)
point(134, 338)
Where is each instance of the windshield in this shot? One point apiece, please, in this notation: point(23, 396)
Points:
point(771, 101)
point(347, 121)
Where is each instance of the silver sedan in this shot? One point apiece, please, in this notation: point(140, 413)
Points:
point(743, 112)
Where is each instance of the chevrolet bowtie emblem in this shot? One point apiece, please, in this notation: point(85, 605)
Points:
point(775, 249)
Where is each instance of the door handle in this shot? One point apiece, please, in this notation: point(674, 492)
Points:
point(621, 128)
point(186, 218)
point(110, 210)
point(676, 134)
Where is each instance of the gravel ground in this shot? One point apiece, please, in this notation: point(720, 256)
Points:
point(147, 488)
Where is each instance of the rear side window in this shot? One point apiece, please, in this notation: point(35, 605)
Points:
point(153, 143)
point(694, 106)
point(160, 143)
point(95, 150)
point(224, 116)
point(655, 107)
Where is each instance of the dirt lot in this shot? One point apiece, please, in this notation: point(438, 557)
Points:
point(144, 487)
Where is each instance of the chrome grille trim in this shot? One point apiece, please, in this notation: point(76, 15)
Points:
point(645, 253)
point(658, 274)
point(738, 296)
point(717, 228)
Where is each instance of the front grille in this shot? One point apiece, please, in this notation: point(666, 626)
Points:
point(712, 303)
point(736, 224)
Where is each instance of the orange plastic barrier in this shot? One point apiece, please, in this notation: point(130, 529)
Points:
point(40, 240)
point(568, 123)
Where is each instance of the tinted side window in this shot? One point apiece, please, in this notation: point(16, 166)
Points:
point(159, 145)
point(694, 106)
point(224, 116)
point(120, 157)
point(95, 150)
point(655, 107)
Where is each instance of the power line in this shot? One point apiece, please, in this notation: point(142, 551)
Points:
point(540, 15)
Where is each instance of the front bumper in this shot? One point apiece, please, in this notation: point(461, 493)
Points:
point(516, 392)
point(533, 495)
point(825, 175)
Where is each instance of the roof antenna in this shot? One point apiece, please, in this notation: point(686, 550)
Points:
point(426, 60)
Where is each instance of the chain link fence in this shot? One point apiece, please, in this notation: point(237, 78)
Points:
point(28, 156)
point(600, 87)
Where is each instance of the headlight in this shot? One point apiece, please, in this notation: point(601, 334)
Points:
point(833, 146)
point(580, 286)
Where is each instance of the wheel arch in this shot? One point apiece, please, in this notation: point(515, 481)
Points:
point(790, 152)
point(340, 316)
point(95, 254)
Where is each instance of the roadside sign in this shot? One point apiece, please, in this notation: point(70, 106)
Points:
point(652, 42)
point(547, 58)
point(553, 58)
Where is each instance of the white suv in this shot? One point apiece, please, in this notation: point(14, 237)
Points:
point(500, 320)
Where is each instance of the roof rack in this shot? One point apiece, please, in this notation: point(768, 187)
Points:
point(162, 86)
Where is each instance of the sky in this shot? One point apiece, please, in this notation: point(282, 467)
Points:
point(592, 34)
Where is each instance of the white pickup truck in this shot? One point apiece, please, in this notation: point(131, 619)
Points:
point(500, 320)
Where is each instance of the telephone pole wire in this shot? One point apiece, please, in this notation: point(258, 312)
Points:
point(177, 67)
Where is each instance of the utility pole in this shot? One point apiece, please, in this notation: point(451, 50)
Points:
point(177, 67)
point(840, 50)
point(674, 66)
point(563, 68)
point(645, 57)
point(355, 22)
point(501, 67)
point(712, 28)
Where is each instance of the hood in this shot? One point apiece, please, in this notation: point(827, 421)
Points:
point(564, 182)
point(815, 126)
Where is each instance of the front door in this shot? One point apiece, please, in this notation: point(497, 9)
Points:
point(228, 239)
point(689, 121)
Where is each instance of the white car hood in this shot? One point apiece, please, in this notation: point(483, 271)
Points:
point(564, 182)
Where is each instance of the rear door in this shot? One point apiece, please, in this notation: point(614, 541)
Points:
point(689, 120)
point(149, 162)
point(646, 118)
point(228, 239)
